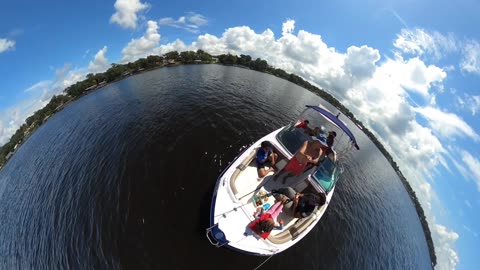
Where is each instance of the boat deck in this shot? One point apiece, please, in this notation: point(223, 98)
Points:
point(248, 184)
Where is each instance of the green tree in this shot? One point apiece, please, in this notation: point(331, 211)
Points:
point(140, 63)
point(172, 55)
point(205, 57)
point(154, 60)
point(188, 57)
point(227, 59)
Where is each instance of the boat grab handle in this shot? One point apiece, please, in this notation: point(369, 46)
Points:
point(209, 237)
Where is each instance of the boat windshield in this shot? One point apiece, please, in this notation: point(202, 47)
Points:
point(320, 123)
point(327, 174)
point(292, 138)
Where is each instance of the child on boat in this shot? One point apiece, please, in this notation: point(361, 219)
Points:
point(265, 221)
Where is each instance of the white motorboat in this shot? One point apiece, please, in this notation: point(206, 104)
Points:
point(238, 190)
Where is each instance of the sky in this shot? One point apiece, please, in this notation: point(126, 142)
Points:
point(409, 70)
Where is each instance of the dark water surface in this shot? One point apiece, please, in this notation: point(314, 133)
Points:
point(123, 178)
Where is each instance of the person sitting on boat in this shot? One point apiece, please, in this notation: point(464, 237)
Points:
point(331, 138)
point(266, 159)
point(303, 124)
point(309, 152)
point(328, 151)
point(265, 221)
point(303, 204)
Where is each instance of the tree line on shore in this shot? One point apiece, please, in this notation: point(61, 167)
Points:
point(119, 71)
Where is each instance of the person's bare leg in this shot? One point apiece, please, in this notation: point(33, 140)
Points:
point(262, 172)
point(273, 158)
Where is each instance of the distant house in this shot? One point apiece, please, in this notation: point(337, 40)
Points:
point(197, 61)
point(9, 155)
point(102, 83)
point(91, 87)
point(59, 107)
point(215, 60)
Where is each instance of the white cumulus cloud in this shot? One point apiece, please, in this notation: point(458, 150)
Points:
point(412, 74)
point(361, 62)
point(6, 44)
point(447, 257)
point(126, 12)
point(143, 46)
point(99, 62)
point(288, 27)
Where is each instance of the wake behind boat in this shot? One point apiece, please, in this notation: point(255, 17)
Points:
point(239, 191)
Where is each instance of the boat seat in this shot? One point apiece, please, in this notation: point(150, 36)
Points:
point(240, 168)
point(280, 238)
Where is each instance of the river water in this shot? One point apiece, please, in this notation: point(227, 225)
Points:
point(122, 179)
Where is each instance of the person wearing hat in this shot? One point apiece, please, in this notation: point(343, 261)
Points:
point(265, 159)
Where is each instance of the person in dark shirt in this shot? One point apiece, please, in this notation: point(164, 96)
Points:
point(328, 151)
point(331, 138)
point(265, 159)
point(303, 204)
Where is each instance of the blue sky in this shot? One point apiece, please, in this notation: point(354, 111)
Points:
point(410, 70)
